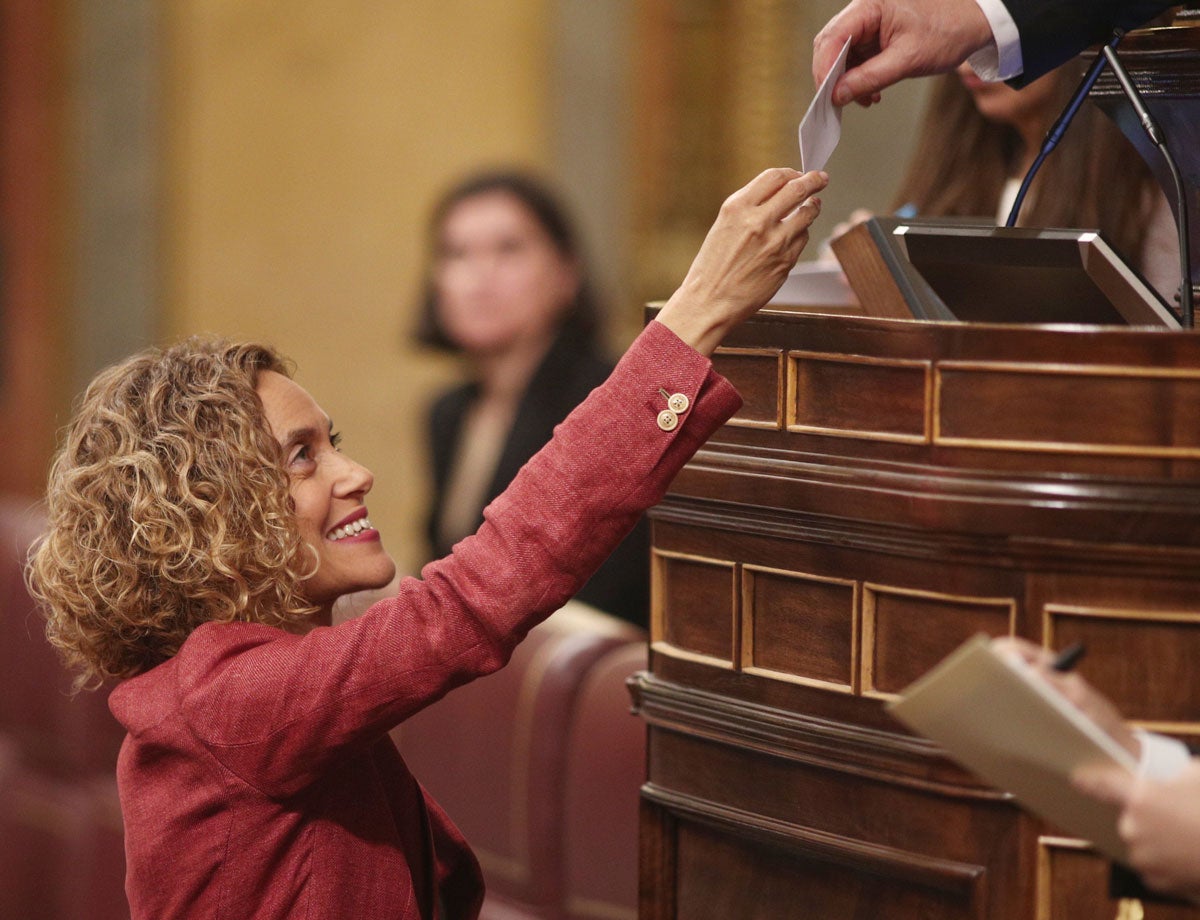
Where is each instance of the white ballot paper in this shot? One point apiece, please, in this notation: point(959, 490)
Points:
point(999, 719)
point(816, 284)
point(821, 127)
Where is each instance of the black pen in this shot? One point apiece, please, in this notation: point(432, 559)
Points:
point(1068, 657)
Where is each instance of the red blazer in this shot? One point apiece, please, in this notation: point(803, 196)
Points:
point(257, 778)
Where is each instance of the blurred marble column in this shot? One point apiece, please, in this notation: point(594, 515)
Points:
point(716, 101)
point(113, 158)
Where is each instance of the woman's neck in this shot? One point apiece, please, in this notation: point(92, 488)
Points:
point(504, 376)
point(1032, 131)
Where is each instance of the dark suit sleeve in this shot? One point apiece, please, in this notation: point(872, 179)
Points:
point(1052, 31)
point(1123, 883)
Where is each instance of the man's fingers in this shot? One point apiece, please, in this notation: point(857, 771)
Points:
point(859, 22)
point(866, 81)
point(1106, 783)
point(826, 48)
point(797, 222)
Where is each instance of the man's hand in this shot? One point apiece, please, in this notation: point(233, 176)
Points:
point(894, 39)
point(1086, 698)
point(1160, 823)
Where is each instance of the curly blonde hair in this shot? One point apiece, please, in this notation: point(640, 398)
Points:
point(168, 507)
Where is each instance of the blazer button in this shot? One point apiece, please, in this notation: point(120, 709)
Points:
point(667, 420)
point(678, 403)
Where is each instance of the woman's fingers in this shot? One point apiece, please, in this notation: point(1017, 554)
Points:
point(759, 233)
point(793, 194)
point(764, 186)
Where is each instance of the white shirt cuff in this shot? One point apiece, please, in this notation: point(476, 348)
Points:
point(1162, 758)
point(1002, 59)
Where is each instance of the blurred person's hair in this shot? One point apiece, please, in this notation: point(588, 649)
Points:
point(1094, 179)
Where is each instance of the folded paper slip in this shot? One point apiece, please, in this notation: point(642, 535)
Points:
point(999, 719)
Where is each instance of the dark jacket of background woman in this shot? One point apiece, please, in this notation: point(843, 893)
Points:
point(565, 377)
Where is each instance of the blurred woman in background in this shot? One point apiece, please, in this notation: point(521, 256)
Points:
point(507, 288)
point(979, 139)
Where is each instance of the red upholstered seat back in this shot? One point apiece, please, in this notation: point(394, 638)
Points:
point(493, 753)
point(57, 731)
point(606, 766)
point(62, 852)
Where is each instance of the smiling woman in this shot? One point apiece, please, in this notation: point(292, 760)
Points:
point(202, 521)
point(168, 509)
point(328, 492)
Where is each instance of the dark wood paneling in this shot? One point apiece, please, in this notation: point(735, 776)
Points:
point(758, 376)
point(800, 626)
point(857, 397)
point(696, 603)
point(1145, 660)
point(805, 574)
point(1073, 883)
point(907, 632)
point(723, 875)
point(1062, 407)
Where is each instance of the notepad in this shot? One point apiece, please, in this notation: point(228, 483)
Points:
point(999, 719)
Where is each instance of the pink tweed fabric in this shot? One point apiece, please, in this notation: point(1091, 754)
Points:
point(257, 779)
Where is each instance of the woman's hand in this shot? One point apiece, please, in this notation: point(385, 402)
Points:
point(756, 239)
point(1086, 698)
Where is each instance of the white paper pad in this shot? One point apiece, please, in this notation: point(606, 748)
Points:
point(821, 127)
point(816, 284)
point(1000, 720)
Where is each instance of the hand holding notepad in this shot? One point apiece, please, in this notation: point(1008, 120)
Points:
point(997, 717)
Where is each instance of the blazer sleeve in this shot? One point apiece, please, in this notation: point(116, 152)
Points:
point(1054, 30)
point(279, 709)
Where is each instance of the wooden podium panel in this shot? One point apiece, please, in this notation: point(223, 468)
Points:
point(889, 489)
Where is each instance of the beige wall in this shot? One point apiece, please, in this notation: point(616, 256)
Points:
point(305, 141)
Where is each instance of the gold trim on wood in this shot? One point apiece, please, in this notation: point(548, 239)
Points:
point(785, 677)
point(658, 642)
point(833, 358)
point(1057, 447)
point(1043, 872)
point(748, 613)
point(674, 651)
point(1114, 613)
point(869, 592)
point(737, 421)
point(1072, 447)
point(1070, 370)
point(1083, 611)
